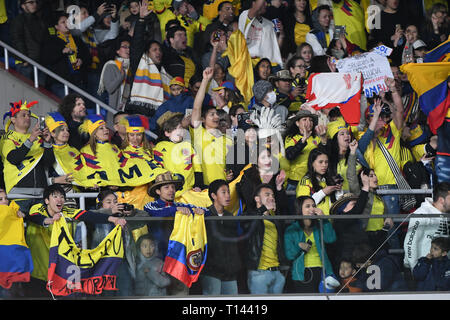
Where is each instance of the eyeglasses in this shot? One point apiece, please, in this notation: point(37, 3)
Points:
point(31, 2)
point(125, 47)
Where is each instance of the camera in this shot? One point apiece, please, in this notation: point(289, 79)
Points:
point(386, 110)
point(338, 31)
point(216, 36)
point(309, 242)
point(127, 207)
point(299, 81)
point(338, 179)
point(243, 117)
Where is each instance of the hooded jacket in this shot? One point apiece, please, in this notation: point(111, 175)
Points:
point(420, 232)
point(432, 274)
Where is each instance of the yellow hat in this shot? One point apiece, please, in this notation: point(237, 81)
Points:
point(178, 81)
point(136, 123)
point(91, 123)
point(54, 120)
point(335, 126)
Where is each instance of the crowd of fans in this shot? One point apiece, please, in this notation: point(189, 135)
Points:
point(162, 65)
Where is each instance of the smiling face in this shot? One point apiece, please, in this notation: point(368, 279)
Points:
point(21, 121)
point(211, 119)
point(265, 160)
point(55, 203)
point(61, 134)
point(124, 50)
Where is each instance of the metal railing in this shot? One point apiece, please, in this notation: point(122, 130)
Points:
point(82, 204)
point(7, 49)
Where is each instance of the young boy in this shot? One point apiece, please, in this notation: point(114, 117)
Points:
point(177, 155)
point(346, 275)
point(180, 101)
point(432, 272)
point(42, 216)
point(219, 276)
point(211, 144)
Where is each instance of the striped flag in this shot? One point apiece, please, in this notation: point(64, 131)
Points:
point(186, 253)
point(90, 271)
point(16, 264)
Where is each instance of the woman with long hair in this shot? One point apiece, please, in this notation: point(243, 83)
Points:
point(318, 181)
point(297, 23)
point(267, 171)
point(101, 157)
point(303, 246)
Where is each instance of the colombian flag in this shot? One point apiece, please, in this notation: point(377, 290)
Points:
point(429, 80)
point(186, 253)
point(16, 264)
point(439, 54)
point(83, 270)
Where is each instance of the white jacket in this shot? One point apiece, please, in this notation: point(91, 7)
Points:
point(260, 37)
point(421, 231)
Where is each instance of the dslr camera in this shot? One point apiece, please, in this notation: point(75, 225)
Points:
point(338, 179)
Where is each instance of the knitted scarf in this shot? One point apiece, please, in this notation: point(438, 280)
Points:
point(150, 86)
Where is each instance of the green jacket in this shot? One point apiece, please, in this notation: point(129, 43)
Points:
point(293, 235)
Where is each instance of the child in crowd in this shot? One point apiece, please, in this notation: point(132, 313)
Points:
point(150, 280)
point(432, 272)
point(347, 274)
point(180, 100)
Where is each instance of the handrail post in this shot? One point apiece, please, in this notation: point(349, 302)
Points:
point(97, 108)
point(35, 73)
point(6, 59)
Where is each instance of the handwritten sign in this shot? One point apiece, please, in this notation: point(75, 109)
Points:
point(374, 68)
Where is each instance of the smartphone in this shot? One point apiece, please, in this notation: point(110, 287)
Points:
point(188, 112)
point(216, 36)
point(42, 123)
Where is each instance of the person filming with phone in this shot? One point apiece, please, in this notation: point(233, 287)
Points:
point(25, 153)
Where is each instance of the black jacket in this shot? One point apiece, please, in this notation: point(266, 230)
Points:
point(53, 58)
point(222, 261)
point(28, 32)
point(248, 184)
point(255, 229)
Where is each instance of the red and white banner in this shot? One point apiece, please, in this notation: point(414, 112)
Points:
point(343, 90)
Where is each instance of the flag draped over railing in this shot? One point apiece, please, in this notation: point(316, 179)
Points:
point(15, 257)
point(90, 271)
